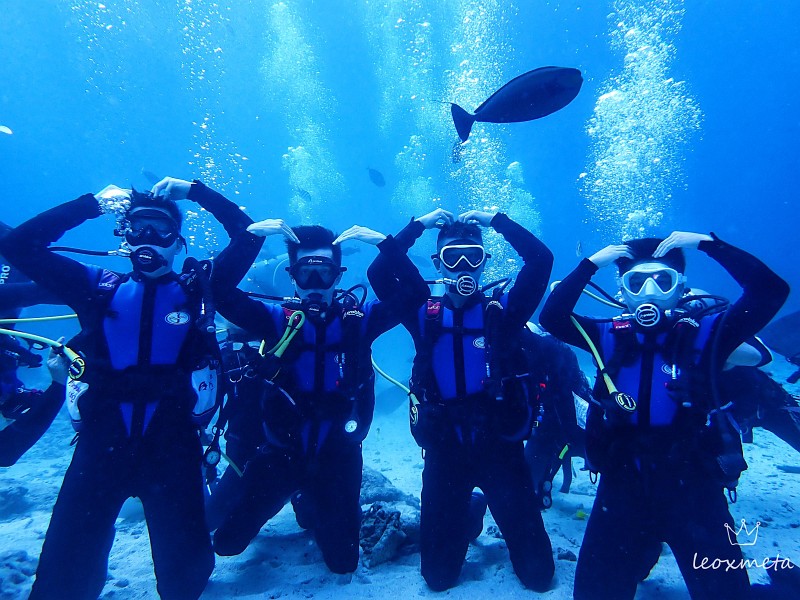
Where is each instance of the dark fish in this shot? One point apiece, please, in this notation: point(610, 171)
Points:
point(304, 194)
point(376, 177)
point(456, 152)
point(789, 468)
point(151, 177)
point(530, 96)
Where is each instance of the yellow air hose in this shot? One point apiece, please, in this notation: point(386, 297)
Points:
point(389, 378)
point(39, 319)
point(625, 401)
point(58, 346)
point(296, 321)
point(71, 355)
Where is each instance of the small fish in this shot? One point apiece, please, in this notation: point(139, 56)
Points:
point(376, 177)
point(150, 176)
point(530, 96)
point(456, 152)
point(579, 249)
point(304, 194)
point(6, 130)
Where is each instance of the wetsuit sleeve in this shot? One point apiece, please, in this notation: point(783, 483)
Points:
point(764, 292)
point(247, 313)
point(24, 432)
point(409, 235)
point(26, 247)
point(555, 315)
point(381, 317)
point(531, 283)
point(394, 278)
point(233, 262)
point(20, 295)
point(230, 216)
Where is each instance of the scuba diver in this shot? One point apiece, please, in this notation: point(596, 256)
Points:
point(557, 435)
point(471, 399)
point(319, 396)
point(665, 445)
point(143, 385)
point(25, 414)
point(757, 401)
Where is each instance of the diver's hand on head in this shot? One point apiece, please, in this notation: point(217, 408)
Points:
point(269, 227)
point(362, 234)
point(436, 218)
point(606, 256)
point(170, 188)
point(57, 364)
point(480, 217)
point(112, 192)
point(681, 239)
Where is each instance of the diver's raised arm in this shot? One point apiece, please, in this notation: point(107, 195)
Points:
point(231, 265)
point(26, 247)
point(763, 293)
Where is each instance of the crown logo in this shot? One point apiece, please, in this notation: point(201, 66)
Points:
point(750, 534)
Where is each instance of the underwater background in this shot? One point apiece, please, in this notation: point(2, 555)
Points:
point(687, 119)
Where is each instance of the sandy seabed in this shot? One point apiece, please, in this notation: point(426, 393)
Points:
point(284, 562)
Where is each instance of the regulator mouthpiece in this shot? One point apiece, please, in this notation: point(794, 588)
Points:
point(465, 285)
point(147, 260)
point(647, 315)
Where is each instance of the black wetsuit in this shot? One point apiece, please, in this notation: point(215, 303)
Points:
point(659, 468)
point(137, 436)
point(326, 380)
point(471, 448)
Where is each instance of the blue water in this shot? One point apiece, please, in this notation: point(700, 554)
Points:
point(687, 119)
point(262, 99)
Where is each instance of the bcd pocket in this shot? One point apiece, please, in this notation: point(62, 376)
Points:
point(429, 426)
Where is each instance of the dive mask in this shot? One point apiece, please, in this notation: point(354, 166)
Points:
point(315, 272)
point(151, 231)
point(466, 257)
point(651, 282)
